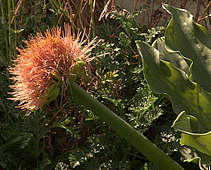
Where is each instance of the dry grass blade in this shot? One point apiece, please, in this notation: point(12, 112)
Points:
point(17, 9)
point(105, 10)
point(135, 5)
point(81, 15)
point(206, 10)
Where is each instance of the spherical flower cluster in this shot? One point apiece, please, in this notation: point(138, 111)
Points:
point(47, 55)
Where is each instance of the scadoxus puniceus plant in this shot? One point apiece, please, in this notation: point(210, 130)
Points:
point(47, 66)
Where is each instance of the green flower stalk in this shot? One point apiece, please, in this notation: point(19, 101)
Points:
point(50, 62)
point(139, 141)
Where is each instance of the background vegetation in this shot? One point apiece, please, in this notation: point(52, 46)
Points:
point(67, 136)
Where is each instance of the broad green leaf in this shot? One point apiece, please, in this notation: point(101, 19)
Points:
point(190, 126)
point(190, 155)
point(171, 56)
point(186, 96)
point(193, 41)
point(201, 142)
point(179, 65)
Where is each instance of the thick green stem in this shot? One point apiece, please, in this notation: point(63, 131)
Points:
point(140, 142)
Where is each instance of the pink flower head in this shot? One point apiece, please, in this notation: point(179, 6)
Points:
point(53, 53)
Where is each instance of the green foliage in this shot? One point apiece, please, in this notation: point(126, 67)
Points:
point(186, 80)
point(65, 135)
point(19, 136)
point(18, 21)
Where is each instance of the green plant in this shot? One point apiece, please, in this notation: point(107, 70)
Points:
point(67, 135)
point(8, 30)
point(124, 129)
point(18, 21)
point(179, 66)
point(48, 67)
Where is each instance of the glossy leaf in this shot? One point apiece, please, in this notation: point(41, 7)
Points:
point(173, 57)
point(179, 65)
point(193, 41)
